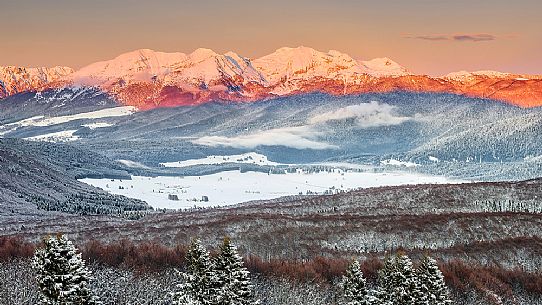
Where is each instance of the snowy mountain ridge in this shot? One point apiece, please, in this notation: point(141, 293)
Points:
point(465, 75)
point(148, 79)
point(20, 79)
point(202, 68)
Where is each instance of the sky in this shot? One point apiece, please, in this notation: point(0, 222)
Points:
point(432, 37)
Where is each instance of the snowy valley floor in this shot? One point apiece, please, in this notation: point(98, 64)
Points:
point(231, 187)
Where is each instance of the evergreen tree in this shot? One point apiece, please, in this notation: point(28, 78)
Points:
point(355, 288)
point(431, 283)
point(201, 275)
point(233, 277)
point(62, 276)
point(398, 284)
point(184, 296)
point(384, 283)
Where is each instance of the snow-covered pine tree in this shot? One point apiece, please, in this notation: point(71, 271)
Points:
point(431, 282)
point(398, 284)
point(233, 277)
point(201, 275)
point(384, 281)
point(184, 294)
point(406, 282)
point(62, 276)
point(355, 287)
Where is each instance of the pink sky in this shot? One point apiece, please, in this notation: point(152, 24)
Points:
point(427, 36)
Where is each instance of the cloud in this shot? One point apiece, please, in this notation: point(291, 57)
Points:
point(455, 37)
point(474, 37)
point(302, 137)
point(366, 115)
point(430, 37)
point(307, 136)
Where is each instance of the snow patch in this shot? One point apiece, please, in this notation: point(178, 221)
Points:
point(103, 113)
point(131, 163)
point(248, 158)
point(97, 125)
point(394, 162)
point(42, 121)
point(433, 159)
point(61, 136)
point(533, 158)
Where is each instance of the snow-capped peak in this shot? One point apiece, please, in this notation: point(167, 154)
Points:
point(202, 54)
point(465, 75)
point(148, 78)
point(42, 73)
point(204, 66)
point(18, 79)
point(382, 67)
point(305, 63)
point(141, 65)
point(200, 69)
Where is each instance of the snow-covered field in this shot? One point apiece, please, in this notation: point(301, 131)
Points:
point(394, 162)
point(250, 158)
point(61, 136)
point(232, 187)
point(42, 121)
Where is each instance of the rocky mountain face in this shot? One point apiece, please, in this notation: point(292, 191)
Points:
point(149, 79)
point(14, 80)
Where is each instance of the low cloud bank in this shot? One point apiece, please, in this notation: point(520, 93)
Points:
point(367, 115)
point(302, 137)
point(308, 136)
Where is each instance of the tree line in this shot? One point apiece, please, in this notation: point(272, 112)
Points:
point(398, 284)
point(63, 279)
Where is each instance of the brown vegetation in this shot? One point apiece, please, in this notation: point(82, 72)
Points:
point(144, 257)
point(15, 247)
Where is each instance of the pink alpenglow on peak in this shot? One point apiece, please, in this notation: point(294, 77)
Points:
point(383, 67)
point(469, 76)
point(149, 79)
point(303, 63)
point(14, 80)
point(139, 65)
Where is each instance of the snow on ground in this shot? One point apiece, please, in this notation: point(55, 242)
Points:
point(533, 158)
point(233, 187)
point(250, 158)
point(61, 136)
point(97, 125)
point(382, 67)
point(43, 121)
point(394, 162)
point(131, 163)
point(104, 113)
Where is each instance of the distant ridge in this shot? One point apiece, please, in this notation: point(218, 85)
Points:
point(149, 79)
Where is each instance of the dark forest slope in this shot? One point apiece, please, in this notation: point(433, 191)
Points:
point(40, 177)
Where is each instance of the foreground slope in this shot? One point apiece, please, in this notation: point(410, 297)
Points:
point(488, 223)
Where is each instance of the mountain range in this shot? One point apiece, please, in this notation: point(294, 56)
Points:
point(149, 79)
